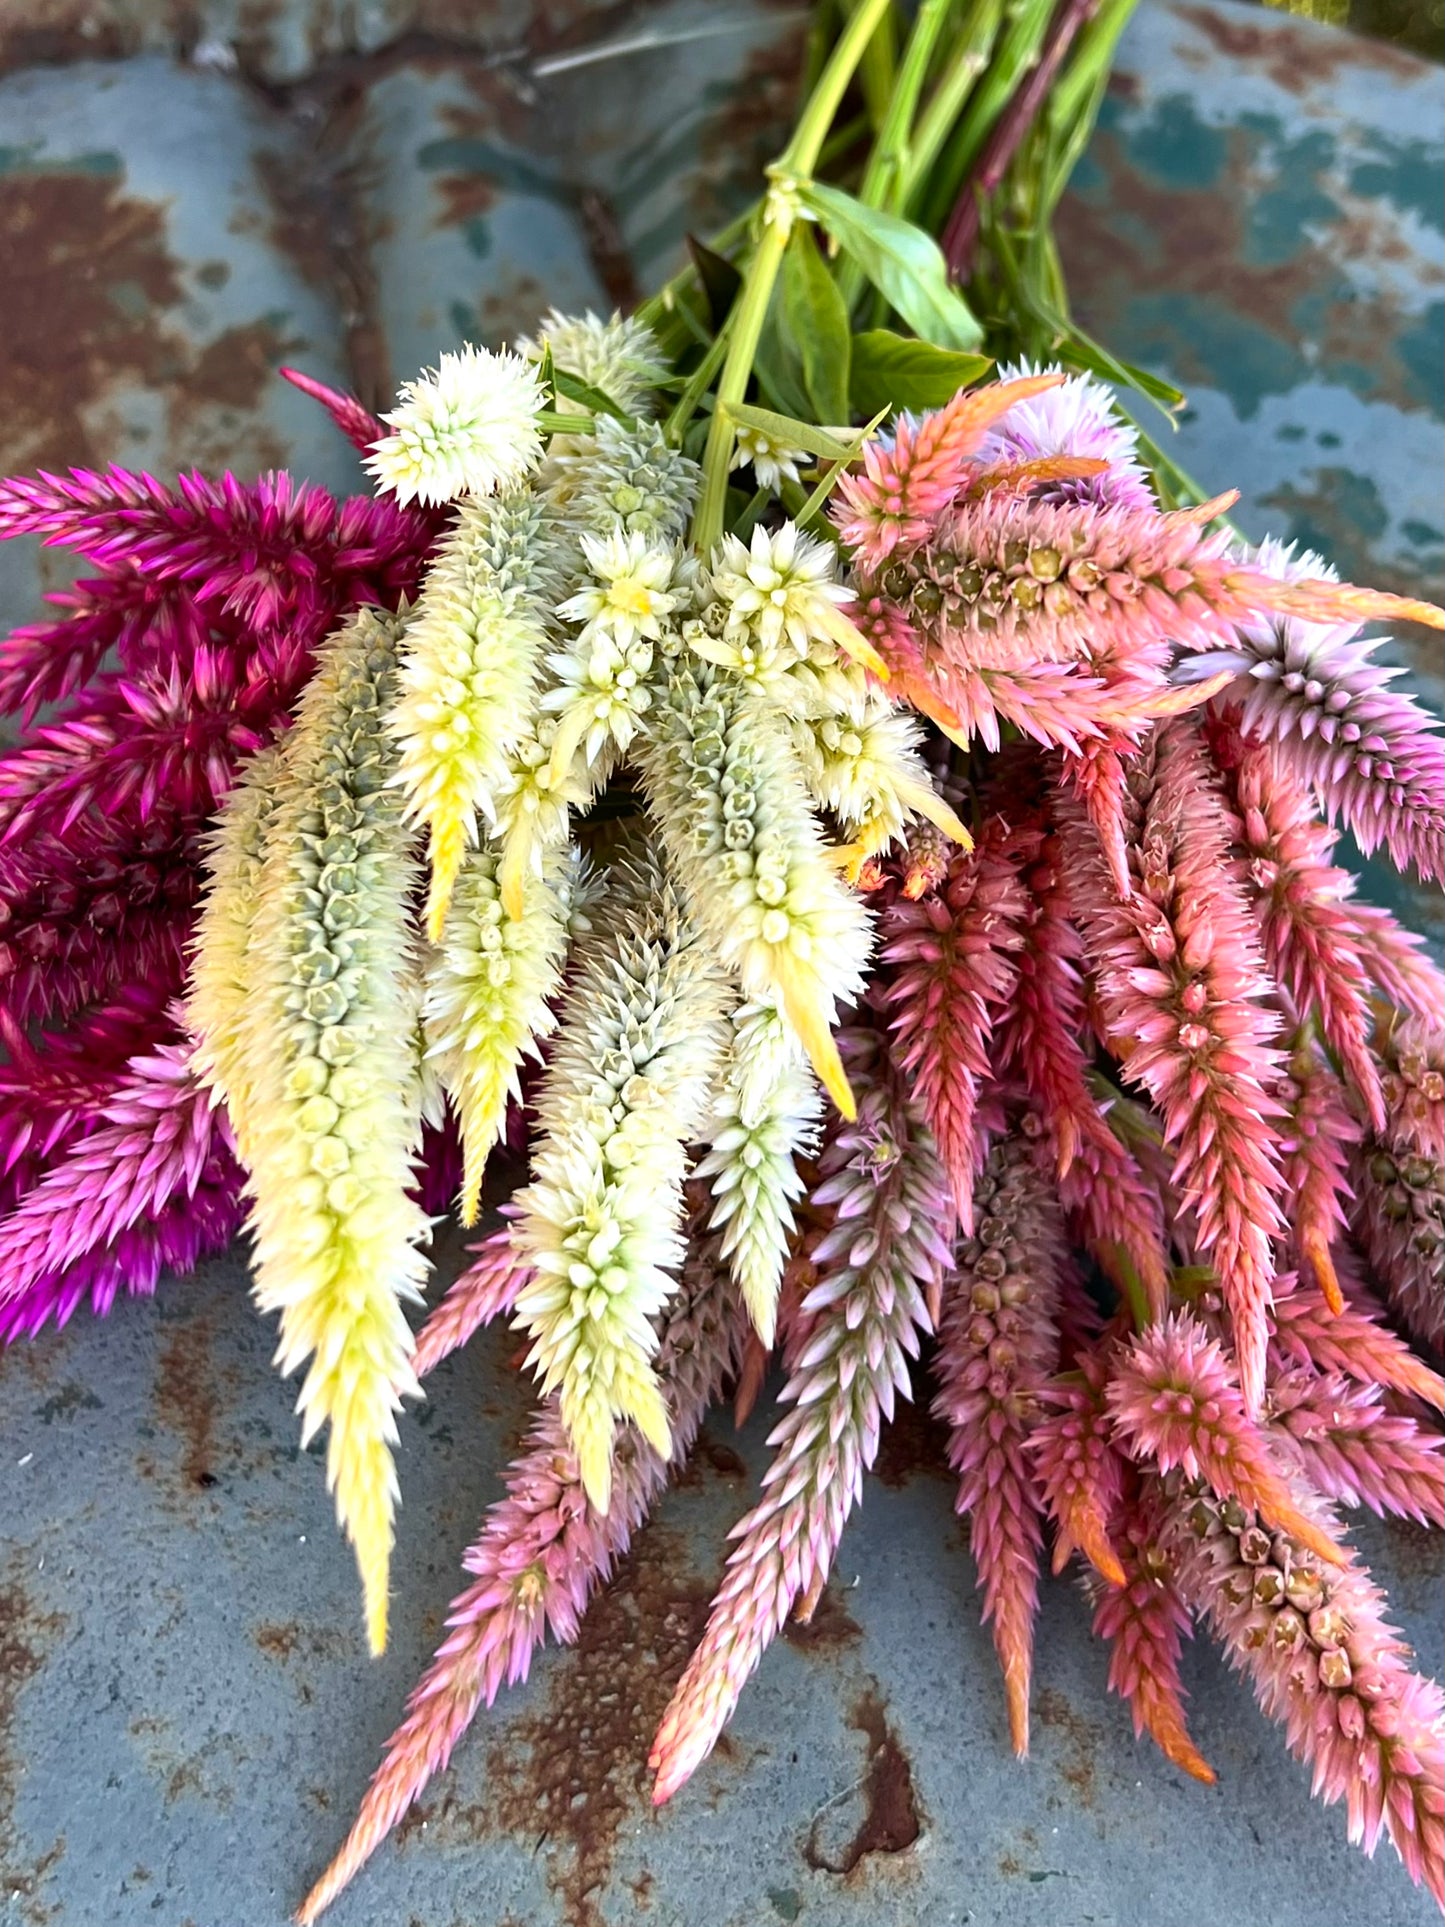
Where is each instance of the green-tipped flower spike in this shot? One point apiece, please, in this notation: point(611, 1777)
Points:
point(725, 789)
point(487, 989)
point(472, 654)
point(619, 356)
point(625, 1094)
point(766, 1115)
point(334, 1119)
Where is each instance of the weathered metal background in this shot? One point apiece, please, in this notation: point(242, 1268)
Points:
point(186, 1715)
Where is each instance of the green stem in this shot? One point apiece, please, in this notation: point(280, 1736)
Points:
point(751, 307)
point(698, 382)
point(1017, 50)
point(890, 151)
point(946, 102)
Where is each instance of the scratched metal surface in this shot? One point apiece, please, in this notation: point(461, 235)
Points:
point(186, 1715)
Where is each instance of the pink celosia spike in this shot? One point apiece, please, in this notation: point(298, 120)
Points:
point(357, 424)
point(1306, 681)
point(1079, 1473)
point(542, 1554)
point(1315, 1144)
point(1399, 1180)
point(154, 1138)
point(1042, 1042)
point(1351, 1341)
point(1316, 1647)
point(1180, 982)
point(1175, 1400)
point(1396, 962)
point(1146, 1623)
point(908, 482)
point(1300, 902)
point(950, 963)
point(1354, 1450)
point(998, 1344)
point(487, 1290)
point(885, 1194)
point(189, 1227)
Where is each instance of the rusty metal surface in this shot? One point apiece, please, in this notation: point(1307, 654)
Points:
point(186, 1714)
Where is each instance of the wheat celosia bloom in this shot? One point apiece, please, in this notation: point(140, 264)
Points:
point(334, 1117)
point(467, 427)
point(625, 1094)
point(1308, 1330)
point(1316, 1647)
point(1181, 983)
point(880, 1259)
point(766, 1117)
point(772, 461)
point(724, 787)
point(997, 1345)
point(1356, 1451)
point(486, 1290)
point(1317, 1138)
point(1399, 1181)
point(782, 588)
point(1373, 756)
point(489, 983)
point(1175, 1400)
point(543, 1552)
point(618, 356)
point(470, 662)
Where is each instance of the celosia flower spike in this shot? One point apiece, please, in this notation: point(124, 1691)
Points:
point(468, 427)
point(625, 1094)
point(1315, 1645)
point(881, 1256)
point(470, 662)
point(486, 1290)
point(1146, 1623)
point(1175, 1400)
point(1354, 1450)
point(1079, 1473)
point(725, 791)
point(334, 1118)
point(542, 1554)
point(1079, 417)
point(951, 971)
point(1317, 1137)
point(1310, 1331)
point(1180, 981)
point(997, 1345)
point(487, 1004)
point(1399, 1180)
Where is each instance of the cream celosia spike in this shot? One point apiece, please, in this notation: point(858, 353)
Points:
point(622, 480)
point(868, 772)
point(620, 356)
point(334, 1120)
point(724, 786)
point(766, 1114)
point(468, 674)
point(219, 986)
point(625, 1094)
point(487, 989)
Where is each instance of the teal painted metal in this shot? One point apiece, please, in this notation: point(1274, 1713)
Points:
point(186, 1715)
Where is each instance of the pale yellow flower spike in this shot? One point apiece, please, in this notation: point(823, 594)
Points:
point(219, 986)
point(488, 987)
point(335, 1119)
point(468, 676)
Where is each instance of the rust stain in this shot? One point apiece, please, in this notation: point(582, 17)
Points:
point(890, 1823)
point(1294, 57)
point(567, 1778)
point(1078, 1768)
point(186, 1401)
point(86, 272)
point(25, 1633)
point(284, 1640)
point(711, 1456)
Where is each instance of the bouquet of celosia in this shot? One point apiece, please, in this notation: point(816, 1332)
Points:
point(893, 908)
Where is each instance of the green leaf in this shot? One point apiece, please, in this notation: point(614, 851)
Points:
point(550, 422)
point(890, 371)
point(813, 507)
point(789, 431)
point(903, 263)
point(817, 322)
point(777, 364)
point(586, 396)
point(720, 279)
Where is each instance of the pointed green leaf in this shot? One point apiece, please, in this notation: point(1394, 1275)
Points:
point(586, 396)
point(903, 263)
point(817, 324)
point(889, 371)
point(789, 431)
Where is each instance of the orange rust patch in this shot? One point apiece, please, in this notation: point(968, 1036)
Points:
point(831, 1626)
point(1294, 57)
point(24, 1634)
point(1078, 1769)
